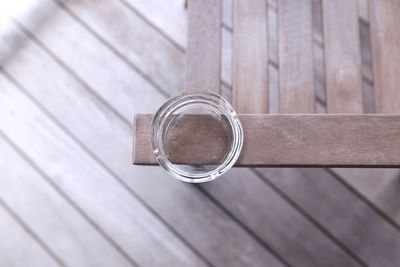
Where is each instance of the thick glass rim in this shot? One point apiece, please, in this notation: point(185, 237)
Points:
point(187, 98)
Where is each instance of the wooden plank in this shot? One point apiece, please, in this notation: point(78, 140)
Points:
point(110, 140)
point(386, 54)
point(250, 57)
point(50, 217)
point(295, 140)
point(18, 248)
point(342, 56)
point(296, 68)
point(203, 54)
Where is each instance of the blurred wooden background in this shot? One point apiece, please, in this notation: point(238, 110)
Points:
point(72, 75)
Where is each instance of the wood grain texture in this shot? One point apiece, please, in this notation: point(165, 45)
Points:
point(385, 39)
point(250, 57)
point(296, 68)
point(203, 54)
point(299, 140)
point(342, 56)
point(181, 206)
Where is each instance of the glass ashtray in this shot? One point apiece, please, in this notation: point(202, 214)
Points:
point(196, 136)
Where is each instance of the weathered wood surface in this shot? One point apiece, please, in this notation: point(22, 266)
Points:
point(342, 56)
point(292, 140)
point(385, 39)
point(250, 56)
point(296, 64)
point(80, 97)
point(203, 54)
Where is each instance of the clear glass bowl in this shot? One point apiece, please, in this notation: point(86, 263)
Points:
point(196, 136)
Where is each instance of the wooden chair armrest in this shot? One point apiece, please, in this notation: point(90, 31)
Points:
point(315, 140)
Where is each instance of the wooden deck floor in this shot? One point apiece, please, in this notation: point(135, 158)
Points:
point(72, 75)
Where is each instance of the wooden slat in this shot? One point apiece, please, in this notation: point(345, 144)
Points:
point(203, 55)
point(250, 84)
point(295, 140)
point(385, 33)
point(296, 69)
point(75, 107)
point(342, 56)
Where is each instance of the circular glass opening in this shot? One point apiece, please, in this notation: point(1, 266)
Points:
point(196, 136)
